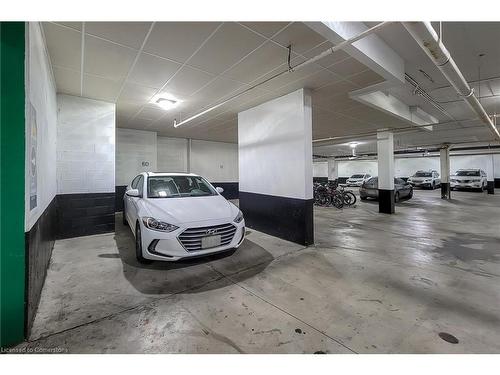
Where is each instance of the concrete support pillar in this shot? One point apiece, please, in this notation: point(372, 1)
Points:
point(333, 172)
point(490, 174)
point(444, 158)
point(276, 168)
point(385, 151)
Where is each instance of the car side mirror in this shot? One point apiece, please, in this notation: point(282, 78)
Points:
point(219, 190)
point(132, 192)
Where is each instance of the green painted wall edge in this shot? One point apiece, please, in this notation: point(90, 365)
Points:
point(12, 138)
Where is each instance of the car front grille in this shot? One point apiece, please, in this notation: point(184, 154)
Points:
point(191, 237)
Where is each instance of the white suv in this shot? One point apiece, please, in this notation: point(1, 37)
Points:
point(428, 179)
point(469, 179)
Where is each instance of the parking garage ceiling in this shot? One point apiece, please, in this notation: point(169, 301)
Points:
point(202, 63)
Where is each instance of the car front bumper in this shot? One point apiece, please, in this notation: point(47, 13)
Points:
point(167, 246)
point(354, 183)
point(466, 185)
point(421, 184)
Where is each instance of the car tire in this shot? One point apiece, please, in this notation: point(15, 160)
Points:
point(362, 198)
point(410, 195)
point(433, 186)
point(138, 246)
point(396, 197)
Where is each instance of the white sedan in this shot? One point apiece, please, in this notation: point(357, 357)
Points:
point(178, 215)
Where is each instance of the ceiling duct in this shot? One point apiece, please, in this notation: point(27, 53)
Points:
point(431, 44)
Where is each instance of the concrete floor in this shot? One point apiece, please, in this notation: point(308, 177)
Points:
point(373, 283)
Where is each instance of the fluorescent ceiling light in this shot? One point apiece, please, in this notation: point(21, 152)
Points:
point(353, 145)
point(166, 104)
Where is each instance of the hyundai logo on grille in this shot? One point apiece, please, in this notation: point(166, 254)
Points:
point(211, 231)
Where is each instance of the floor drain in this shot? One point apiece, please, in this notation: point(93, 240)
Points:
point(448, 337)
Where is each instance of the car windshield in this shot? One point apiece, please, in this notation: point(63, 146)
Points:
point(468, 173)
point(423, 174)
point(357, 176)
point(178, 186)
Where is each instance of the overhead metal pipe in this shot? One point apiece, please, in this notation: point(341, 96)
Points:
point(329, 51)
point(427, 38)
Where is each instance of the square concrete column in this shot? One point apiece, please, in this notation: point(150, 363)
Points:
point(490, 174)
point(385, 151)
point(275, 167)
point(444, 159)
point(333, 171)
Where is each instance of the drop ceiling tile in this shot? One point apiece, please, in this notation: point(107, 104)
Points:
point(268, 29)
point(349, 67)
point(136, 93)
point(260, 62)
point(100, 88)
point(313, 81)
point(139, 123)
point(125, 108)
point(366, 78)
point(107, 59)
point(187, 81)
point(178, 40)
point(152, 71)
point(131, 34)
point(73, 25)
point(300, 36)
point(151, 112)
point(226, 47)
point(67, 81)
point(221, 87)
point(64, 46)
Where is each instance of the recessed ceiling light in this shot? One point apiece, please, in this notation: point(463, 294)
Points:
point(166, 104)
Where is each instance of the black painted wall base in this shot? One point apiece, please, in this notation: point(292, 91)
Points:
point(288, 218)
point(231, 189)
point(445, 190)
point(491, 187)
point(85, 214)
point(497, 183)
point(321, 180)
point(38, 246)
point(386, 201)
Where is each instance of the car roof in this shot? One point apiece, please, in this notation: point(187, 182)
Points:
point(169, 174)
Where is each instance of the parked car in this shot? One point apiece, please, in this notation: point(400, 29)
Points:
point(175, 216)
point(428, 179)
point(402, 189)
point(357, 179)
point(469, 179)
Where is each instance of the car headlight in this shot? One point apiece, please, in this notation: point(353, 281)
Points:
point(160, 226)
point(238, 217)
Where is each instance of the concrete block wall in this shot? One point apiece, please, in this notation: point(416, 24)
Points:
point(172, 154)
point(136, 152)
point(85, 145)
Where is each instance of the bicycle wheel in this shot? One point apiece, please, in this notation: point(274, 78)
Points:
point(324, 200)
point(337, 201)
point(349, 198)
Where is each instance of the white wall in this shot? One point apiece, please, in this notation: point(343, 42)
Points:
point(136, 152)
point(85, 145)
point(320, 169)
point(275, 147)
point(172, 154)
point(349, 167)
point(216, 161)
point(41, 93)
point(405, 167)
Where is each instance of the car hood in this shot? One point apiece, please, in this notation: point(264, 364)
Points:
point(190, 209)
point(420, 178)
